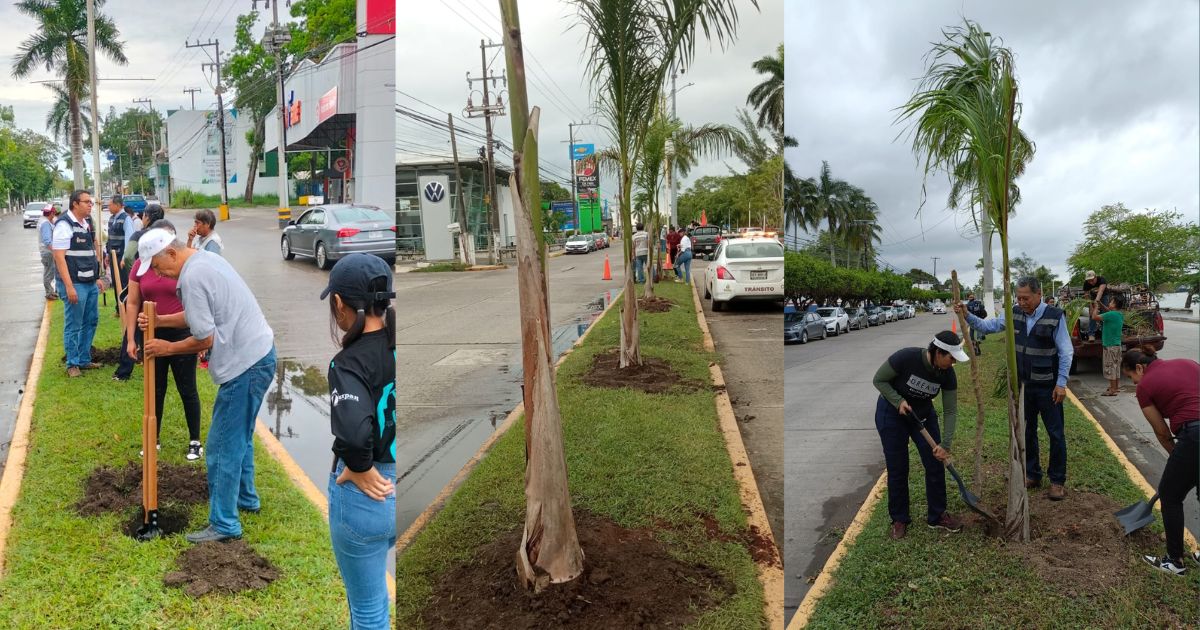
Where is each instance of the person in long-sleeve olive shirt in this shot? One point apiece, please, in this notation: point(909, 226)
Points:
point(908, 382)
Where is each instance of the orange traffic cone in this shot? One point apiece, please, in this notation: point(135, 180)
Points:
point(607, 269)
point(954, 325)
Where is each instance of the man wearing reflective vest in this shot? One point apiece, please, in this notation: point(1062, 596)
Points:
point(1044, 354)
point(120, 228)
point(79, 262)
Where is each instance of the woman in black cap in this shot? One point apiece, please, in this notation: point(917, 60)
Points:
point(908, 382)
point(362, 405)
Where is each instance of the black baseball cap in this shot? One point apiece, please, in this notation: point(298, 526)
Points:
point(353, 273)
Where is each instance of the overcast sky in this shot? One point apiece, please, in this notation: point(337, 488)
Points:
point(438, 43)
point(1111, 96)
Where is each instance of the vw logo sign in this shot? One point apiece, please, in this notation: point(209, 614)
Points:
point(434, 192)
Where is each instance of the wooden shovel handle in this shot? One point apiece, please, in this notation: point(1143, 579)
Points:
point(149, 418)
point(116, 263)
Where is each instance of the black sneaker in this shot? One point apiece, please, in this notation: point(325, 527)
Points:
point(1166, 565)
point(194, 451)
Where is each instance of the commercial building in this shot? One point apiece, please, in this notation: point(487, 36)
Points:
point(422, 214)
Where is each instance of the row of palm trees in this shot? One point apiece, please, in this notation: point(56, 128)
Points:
point(848, 212)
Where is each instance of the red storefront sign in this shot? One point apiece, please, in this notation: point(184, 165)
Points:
point(327, 106)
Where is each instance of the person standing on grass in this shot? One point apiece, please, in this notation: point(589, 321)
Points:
point(908, 382)
point(1112, 321)
point(221, 313)
point(1168, 391)
point(78, 259)
point(683, 263)
point(362, 414)
point(1044, 355)
point(641, 252)
point(673, 238)
point(203, 234)
point(120, 228)
point(45, 238)
point(125, 363)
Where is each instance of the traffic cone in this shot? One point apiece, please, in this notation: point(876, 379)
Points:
point(607, 269)
point(954, 325)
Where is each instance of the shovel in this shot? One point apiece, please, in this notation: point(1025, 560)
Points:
point(149, 529)
point(968, 497)
point(1136, 516)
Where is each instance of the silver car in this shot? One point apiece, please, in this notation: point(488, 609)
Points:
point(326, 233)
point(33, 213)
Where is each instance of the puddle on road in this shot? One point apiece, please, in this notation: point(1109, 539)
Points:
point(436, 451)
point(296, 410)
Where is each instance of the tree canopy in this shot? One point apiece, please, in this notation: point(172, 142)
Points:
point(1116, 239)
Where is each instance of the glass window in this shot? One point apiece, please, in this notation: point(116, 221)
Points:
point(358, 213)
point(754, 249)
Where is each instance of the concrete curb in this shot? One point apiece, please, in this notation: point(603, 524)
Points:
point(1136, 475)
point(14, 469)
point(487, 267)
point(769, 575)
point(439, 501)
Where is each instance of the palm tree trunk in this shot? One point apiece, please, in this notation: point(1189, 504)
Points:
point(549, 551)
point(651, 241)
point(832, 261)
point(985, 229)
point(631, 351)
point(76, 141)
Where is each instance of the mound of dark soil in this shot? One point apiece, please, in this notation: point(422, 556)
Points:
point(655, 304)
point(172, 519)
point(107, 356)
point(221, 567)
point(629, 581)
point(761, 549)
point(110, 489)
point(653, 376)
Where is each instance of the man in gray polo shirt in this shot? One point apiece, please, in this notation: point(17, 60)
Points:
point(224, 318)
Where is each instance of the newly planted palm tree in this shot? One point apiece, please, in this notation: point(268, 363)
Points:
point(767, 97)
point(59, 44)
point(965, 111)
point(632, 46)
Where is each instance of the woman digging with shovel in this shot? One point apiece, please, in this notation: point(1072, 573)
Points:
point(908, 382)
point(362, 405)
point(1168, 391)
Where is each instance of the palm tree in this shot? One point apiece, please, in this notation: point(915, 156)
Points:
point(58, 119)
point(59, 44)
point(860, 230)
point(633, 45)
point(813, 200)
point(767, 97)
point(964, 122)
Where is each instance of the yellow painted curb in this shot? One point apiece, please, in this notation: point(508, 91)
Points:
point(293, 470)
point(439, 501)
point(14, 469)
point(1136, 475)
point(770, 575)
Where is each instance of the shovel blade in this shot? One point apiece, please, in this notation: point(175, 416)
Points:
point(1132, 525)
point(968, 497)
point(149, 529)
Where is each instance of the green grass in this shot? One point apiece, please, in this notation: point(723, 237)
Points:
point(969, 580)
point(638, 459)
point(443, 266)
point(68, 571)
point(187, 199)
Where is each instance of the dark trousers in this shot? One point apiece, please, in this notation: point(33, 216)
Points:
point(125, 362)
point(1180, 476)
point(115, 272)
point(1039, 401)
point(181, 366)
point(895, 431)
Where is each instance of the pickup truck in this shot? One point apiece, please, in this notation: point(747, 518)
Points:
point(1137, 302)
point(705, 240)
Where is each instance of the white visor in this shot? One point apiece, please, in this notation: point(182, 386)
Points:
point(955, 351)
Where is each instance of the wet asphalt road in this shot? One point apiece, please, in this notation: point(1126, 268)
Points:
point(832, 451)
point(21, 305)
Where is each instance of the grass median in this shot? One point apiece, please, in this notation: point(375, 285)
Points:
point(63, 570)
point(647, 461)
point(972, 579)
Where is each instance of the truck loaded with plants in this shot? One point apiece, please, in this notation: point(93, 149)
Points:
point(1143, 322)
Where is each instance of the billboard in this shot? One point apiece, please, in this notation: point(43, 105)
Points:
point(587, 172)
point(566, 213)
point(327, 106)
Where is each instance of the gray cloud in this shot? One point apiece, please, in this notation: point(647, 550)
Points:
point(1111, 96)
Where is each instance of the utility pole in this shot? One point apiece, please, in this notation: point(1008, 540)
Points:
point(935, 259)
point(1147, 269)
point(574, 189)
point(274, 41)
point(216, 44)
point(487, 111)
point(466, 244)
point(192, 92)
point(91, 27)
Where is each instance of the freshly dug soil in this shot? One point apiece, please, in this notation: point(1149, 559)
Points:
point(761, 549)
point(221, 567)
point(120, 489)
point(653, 376)
point(655, 304)
point(172, 519)
point(107, 356)
point(629, 581)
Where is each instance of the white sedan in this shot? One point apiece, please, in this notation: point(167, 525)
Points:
point(746, 267)
point(939, 308)
point(837, 321)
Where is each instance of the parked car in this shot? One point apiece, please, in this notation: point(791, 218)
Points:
point(33, 213)
point(938, 308)
point(912, 310)
point(876, 316)
point(836, 319)
point(326, 233)
point(747, 268)
point(800, 327)
point(858, 318)
point(889, 312)
point(137, 203)
point(601, 240)
point(705, 240)
point(579, 244)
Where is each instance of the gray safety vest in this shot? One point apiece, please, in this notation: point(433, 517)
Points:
point(1037, 356)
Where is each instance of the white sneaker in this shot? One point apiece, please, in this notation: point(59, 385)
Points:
point(195, 451)
point(1165, 565)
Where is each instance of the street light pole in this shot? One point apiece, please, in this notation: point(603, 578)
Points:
point(935, 259)
point(91, 27)
point(276, 39)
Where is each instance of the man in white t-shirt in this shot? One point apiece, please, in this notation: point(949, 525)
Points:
point(641, 252)
point(78, 258)
point(683, 262)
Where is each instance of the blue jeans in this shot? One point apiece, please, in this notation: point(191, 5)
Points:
point(683, 265)
point(229, 453)
point(80, 320)
point(363, 531)
point(1039, 401)
point(639, 263)
point(894, 432)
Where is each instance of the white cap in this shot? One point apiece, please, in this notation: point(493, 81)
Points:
point(955, 351)
point(150, 244)
point(1090, 274)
